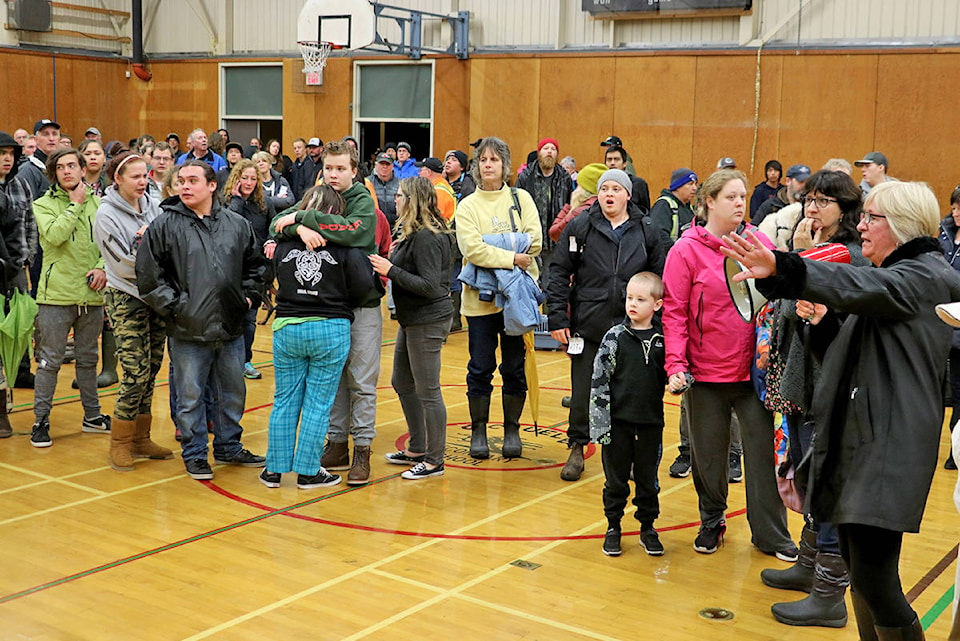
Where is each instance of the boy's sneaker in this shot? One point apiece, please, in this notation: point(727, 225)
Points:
point(270, 479)
point(681, 466)
point(251, 372)
point(789, 554)
point(243, 458)
point(96, 425)
point(401, 458)
point(320, 479)
point(650, 541)
point(198, 469)
point(736, 469)
point(421, 471)
point(709, 538)
point(40, 436)
point(611, 542)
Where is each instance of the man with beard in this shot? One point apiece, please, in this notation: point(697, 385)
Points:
point(550, 187)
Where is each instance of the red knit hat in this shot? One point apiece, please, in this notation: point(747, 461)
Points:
point(544, 141)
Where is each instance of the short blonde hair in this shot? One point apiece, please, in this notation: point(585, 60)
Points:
point(653, 283)
point(910, 207)
point(713, 185)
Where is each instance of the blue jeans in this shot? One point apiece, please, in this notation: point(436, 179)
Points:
point(209, 407)
point(483, 334)
point(219, 365)
point(308, 360)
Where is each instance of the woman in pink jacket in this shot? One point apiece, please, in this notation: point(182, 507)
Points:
point(707, 338)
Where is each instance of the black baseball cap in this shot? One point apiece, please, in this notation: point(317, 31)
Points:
point(874, 157)
point(385, 158)
point(612, 141)
point(46, 122)
point(433, 164)
point(233, 145)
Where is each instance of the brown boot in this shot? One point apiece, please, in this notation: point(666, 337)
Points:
point(360, 470)
point(143, 447)
point(573, 468)
point(6, 431)
point(336, 456)
point(121, 440)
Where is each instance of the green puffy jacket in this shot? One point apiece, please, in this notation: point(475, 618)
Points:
point(69, 250)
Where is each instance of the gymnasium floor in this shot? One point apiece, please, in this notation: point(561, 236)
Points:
point(492, 550)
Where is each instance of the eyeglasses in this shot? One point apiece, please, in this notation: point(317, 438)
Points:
point(820, 201)
point(867, 217)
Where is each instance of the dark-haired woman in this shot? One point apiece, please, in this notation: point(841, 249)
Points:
point(419, 268)
point(244, 194)
point(831, 211)
point(123, 216)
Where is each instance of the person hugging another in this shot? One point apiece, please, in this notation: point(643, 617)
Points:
point(626, 412)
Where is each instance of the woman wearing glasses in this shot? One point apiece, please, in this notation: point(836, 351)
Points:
point(831, 211)
point(877, 407)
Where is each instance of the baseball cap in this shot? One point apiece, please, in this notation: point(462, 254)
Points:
point(92, 130)
point(459, 155)
point(234, 145)
point(798, 172)
point(873, 157)
point(726, 163)
point(385, 158)
point(433, 164)
point(476, 143)
point(613, 141)
point(313, 142)
point(46, 122)
point(404, 145)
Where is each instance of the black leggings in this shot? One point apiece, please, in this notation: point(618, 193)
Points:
point(873, 557)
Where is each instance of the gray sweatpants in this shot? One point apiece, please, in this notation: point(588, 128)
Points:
point(53, 324)
point(355, 407)
point(709, 406)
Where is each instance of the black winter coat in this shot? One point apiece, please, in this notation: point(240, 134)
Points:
point(550, 193)
point(599, 265)
point(877, 408)
point(198, 272)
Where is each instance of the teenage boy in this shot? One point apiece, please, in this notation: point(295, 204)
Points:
point(355, 408)
point(626, 412)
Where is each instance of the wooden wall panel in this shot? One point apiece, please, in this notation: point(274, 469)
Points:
point(505, 102)
point(325, 112)
point(451, 114)
point(182, 96)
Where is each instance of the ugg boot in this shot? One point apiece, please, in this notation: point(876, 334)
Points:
point(824, 606)
point(573, 468)
point(6, 431)
point(798, 576)
point(121, 441)
point(512, 408)
point(912, 632)
point(360, 470)
point(336, 456)
point(479, 415)
point(108, 354)
point(143, 447)
point(865, 625)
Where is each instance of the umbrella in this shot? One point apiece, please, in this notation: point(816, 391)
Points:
point(16, 331)
point(533, 380)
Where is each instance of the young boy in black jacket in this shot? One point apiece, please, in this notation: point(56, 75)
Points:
point(626, 412)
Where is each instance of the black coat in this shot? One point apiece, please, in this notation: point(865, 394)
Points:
point(198, 272)
point(600, 266)
point(877, 408)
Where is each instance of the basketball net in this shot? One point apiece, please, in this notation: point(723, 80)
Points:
point(314, 60)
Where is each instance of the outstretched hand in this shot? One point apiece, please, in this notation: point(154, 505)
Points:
point(757, 260)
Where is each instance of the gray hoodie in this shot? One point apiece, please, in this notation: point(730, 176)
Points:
point(115, 231)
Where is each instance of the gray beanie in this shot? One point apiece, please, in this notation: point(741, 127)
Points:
point(618, 176)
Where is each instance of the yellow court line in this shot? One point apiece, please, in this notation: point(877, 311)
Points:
point(45, 478)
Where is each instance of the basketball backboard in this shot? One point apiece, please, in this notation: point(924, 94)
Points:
point(346, 24)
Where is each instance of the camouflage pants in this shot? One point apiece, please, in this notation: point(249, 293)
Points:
point(140, 334)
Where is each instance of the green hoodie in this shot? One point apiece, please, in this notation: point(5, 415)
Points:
point(357, 227)
point(69, 250)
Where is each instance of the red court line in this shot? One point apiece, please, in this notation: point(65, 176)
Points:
point(927, 579)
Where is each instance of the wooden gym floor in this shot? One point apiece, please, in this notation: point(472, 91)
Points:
point(492, 550)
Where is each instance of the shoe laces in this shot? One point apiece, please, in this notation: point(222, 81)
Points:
point(419, 468)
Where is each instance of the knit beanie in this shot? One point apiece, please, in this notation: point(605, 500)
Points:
point(544, 141)
point(681, 177)
point(618, 176)
point(587, 177)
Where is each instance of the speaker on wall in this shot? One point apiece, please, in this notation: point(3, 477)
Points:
point(30, 15)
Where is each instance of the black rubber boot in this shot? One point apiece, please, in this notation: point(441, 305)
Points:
point(479, 415)
point(865, 625)
point(798, 576)
point(6, 431)
point(912, 632)
point(108, 355)
point(824, 606)
point(512, 408)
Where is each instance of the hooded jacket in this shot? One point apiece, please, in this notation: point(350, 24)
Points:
point(198, 271)
point(115, 231)
point(550, 193)
point(279, 195)
point(69, 250)
point(704, 333)
point(17, 226)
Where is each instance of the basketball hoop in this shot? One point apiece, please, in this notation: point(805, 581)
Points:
point(314, 60)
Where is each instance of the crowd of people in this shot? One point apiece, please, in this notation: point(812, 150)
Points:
point(131, 250)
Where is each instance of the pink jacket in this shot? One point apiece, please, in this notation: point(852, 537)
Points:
point(704, 333)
